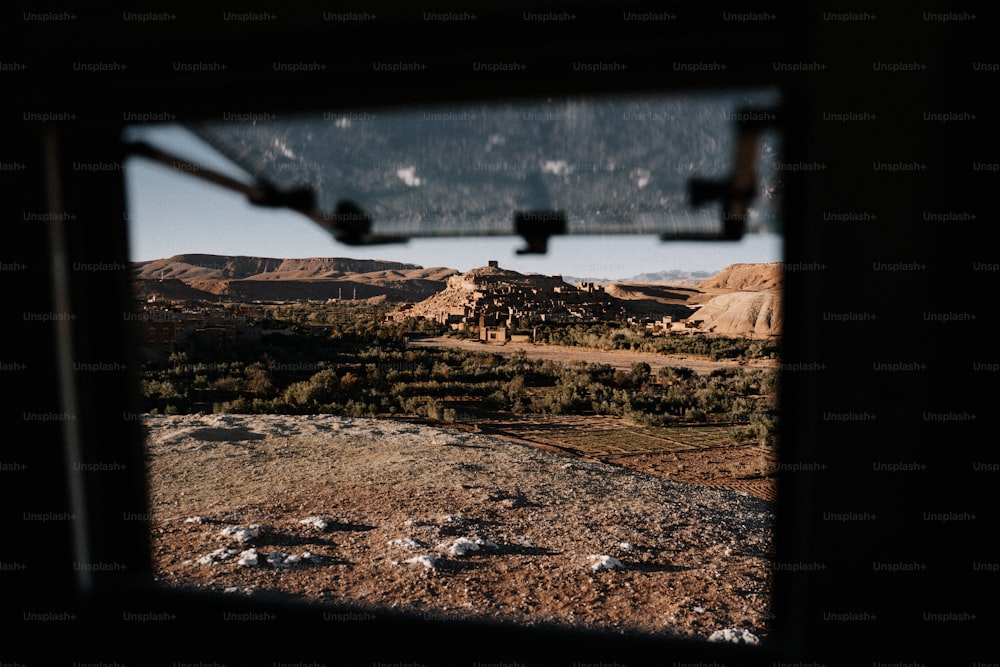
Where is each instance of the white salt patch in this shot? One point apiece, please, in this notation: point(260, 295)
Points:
point(404, 542)
point(217, 556)
point(317, 522)
point(429, 562)
point(604, 563)
point(246, 590)
point(463, 545)
point(249, 558)
point(277, 558)
point(734, 636)
point(282, 559)
point(242, 534)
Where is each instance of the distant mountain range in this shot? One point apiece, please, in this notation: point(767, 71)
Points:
point(742, 299)
point(239, 278)
point(224, 267)
point(648, 278)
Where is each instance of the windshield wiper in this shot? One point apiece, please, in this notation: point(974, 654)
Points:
point(736, 192)
point(349, 224)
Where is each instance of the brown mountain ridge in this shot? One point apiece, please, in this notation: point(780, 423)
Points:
point(240, 278)
point(741, 300)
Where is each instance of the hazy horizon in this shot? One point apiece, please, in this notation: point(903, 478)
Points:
point(502, 250)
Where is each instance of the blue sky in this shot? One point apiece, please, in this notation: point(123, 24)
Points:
point(170, 213)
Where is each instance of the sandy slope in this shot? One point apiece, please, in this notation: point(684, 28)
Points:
point(750, 277)
point(744, 314)
point(694, 559)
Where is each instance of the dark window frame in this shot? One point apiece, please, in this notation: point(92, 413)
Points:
point(91, 413)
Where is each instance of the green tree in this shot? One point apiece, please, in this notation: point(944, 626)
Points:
point(640, 372)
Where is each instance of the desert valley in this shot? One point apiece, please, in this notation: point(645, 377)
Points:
point(487, 445)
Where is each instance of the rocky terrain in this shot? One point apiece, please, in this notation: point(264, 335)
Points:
point(684, 299)
point(443, 523)
point(500, 294)
point(747, 277)
point(742, 300)
point(745, 301)
point(748, 314)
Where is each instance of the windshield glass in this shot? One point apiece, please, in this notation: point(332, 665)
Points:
point(584, 438)
point(618, 165)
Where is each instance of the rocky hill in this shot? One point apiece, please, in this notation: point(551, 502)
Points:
point(502, 295)
point(752, 277)
point(745, 301)
point(743, 314)
point(742, 300)
point(508, 296)
point(208, 277)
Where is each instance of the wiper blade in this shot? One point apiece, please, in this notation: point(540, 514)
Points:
point(349, 224)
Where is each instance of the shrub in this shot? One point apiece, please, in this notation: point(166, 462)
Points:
point(159, 389)
point(348, 382)
point(227, 383)
point(258, 382)
point(695, 415)
point(240, 406)
point(432, 409)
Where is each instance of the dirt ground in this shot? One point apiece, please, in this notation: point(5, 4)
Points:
point(618, 359)
point(705, 456)
point(748, 469)
point(447, 523)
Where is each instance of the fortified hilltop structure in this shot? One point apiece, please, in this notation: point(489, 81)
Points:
point(490, 296)
point(744, 300)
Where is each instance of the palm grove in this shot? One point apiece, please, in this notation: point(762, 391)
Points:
point(345, 359)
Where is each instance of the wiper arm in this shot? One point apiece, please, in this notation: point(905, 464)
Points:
point(349, 225)
point(738, 191)
point(536, 227)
